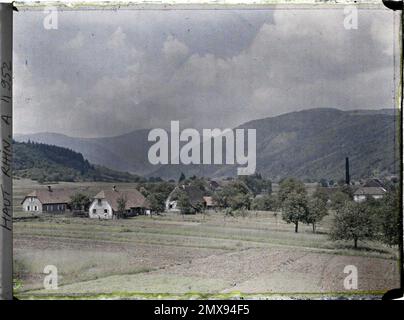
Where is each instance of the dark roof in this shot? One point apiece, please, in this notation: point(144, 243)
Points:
point(370, 191)
point(373, 183)
point(194, 194)
point(53, 196)
point(134, 199)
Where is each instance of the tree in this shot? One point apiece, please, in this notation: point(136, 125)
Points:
point(338, 200)
point(317, 210)
point(121, 202)
point(182, 177)
point(288, 186)
point(265, 203)
point(157, 202)
point(386, 214)
point(256, 183)
point(321, 194)
point(232, 194)
point(353, 222)
point(294, 209)
point(79, 201)
point(184, 203)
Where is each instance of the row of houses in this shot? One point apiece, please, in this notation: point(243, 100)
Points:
point(104, 205)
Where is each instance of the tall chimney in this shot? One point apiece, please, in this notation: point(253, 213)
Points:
point(347, 176)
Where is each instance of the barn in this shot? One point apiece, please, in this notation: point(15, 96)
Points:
point(106, 204)
point(47, 200)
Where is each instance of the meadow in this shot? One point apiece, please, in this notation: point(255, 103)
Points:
point(182, 256)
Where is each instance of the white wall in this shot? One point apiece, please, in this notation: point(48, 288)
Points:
point(173, 205)
point(97, 210)
point(32, 204)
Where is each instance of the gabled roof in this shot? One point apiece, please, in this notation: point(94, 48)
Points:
point(53, 196)
point(373, 183)
point(194, 194)
point(370, 191)
point(134, 199)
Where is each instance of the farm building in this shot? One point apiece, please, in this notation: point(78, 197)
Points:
point(209, 203)
point(106, 203)
point(47, 200)
point(371, 189)
point(194, 194)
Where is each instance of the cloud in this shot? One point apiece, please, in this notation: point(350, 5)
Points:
point(125, 79)
point(173, 49)
point(117, 39)
point(75, 43)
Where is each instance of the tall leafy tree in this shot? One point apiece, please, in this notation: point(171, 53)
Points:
point(317, 210)
point(289, 186)
point(354, 222)
point(121, 202)
point(79, 201)
point(294, 209)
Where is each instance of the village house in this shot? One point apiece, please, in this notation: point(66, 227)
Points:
point(105, 204)
point(47, 200)
point(209, 203)
point(371, 189)
point(195, 195)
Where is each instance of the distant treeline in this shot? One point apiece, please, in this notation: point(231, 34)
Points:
point(49, 163)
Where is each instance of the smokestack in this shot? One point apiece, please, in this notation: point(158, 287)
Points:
point(347, 176)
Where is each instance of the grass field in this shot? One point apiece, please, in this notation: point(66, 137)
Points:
point(186, 256)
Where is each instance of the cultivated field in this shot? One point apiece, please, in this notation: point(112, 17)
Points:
point(189, 256)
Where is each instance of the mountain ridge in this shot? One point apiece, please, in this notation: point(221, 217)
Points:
point(319, 140)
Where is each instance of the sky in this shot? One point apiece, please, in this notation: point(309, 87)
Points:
point(106, 73)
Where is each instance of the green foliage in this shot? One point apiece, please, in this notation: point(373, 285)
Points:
point(353, 221)
point(235, 195)
point(295, 209)
point(256, 183)
point(121, 203)
point(79, 201)
point(157, 202)
point(265, 203)
point(48, 163)
point(183, 202)
point(321, 194)
point(386, 215)
point(317, 210)
point(338, 200)
point(289, 186)
point(182, 177)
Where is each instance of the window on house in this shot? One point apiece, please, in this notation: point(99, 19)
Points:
point(99, 202)
point(105, 211)
point(36, 208)
point(28, 208)
point(94, 210)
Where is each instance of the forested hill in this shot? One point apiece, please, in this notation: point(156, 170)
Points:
point(49, 163)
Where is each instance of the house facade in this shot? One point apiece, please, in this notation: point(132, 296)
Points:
point(106, 204)
point(47, 200)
